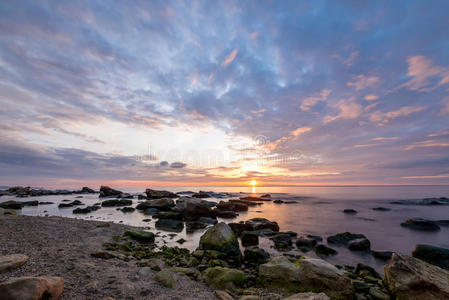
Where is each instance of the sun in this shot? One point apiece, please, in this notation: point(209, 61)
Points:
point(253, 182)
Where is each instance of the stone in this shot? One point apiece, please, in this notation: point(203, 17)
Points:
point(250, 238)
point(160, 204)
point(140, 236)
point(106, 191)
point(344, 238)
point(197, 207)
point(282, 241)
point(433, 255)
point(166, 277)
point(116, 203)
point(262, 223)
point(222, 295)
point(323, 251)
point(305, 242)
point(380, 208)
point(256, 255)
point(169, 215)
point(377, 294)
point(40, 288)
point(224, 278)
point(156, 264)
point(150, 211)
point(220, 238)
point(279, 271)
point(383, 255)
point(360, 286)
point(359, 245)
point(239, 228)
point(11, 205)
point(169, 225)
point(201, 194)
point(145, 271)
point(127, 209)
point(350, 211)
point(155, 194)
point(421, 224)
point(30, 203)
point(277, 201)
point(12, 261)
point(87, 190)
point(409, 278)
point(232, 206)
point(225, 214)
point(315, 237)
point(308, 296)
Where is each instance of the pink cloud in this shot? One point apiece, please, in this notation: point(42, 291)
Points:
point(230, 58)
point(349, 109)
point(361, 82)
point(422, 69)
point(308, 102)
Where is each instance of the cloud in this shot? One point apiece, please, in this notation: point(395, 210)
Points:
point(349, 109)
point(371, 97)
point(445, 109)
point(230, 58)
point(427, 144)
point(300, 130)
point(309, 102)
point(426, 76)
point(385, 117)
point(361, 82)
point(177, 165)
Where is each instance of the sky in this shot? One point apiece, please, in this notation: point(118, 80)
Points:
point(194, 93)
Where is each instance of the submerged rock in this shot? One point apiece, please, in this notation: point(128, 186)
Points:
point(282, 241)
point(262, 223)
point(220, 238)
point(201, 194)
point(12, 261)
point(155, 194)
point(344, 238)
point(250, 238)
point(48, 288)
point(239, 228)
point(381, 208)
point(116, 202)
point(350, 211)
point(323, 251)
point(305, 242)
point(11, 205)
point(433, 255)
point(421, 224)
point(414, 279)
point(85, 210)
point(359, 245)
point(169, 225)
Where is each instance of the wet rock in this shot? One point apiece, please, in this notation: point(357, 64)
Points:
point(64, 205)
point(164, 204)
point(262, 223)
point(277, 201)
point(11, 205)
point(250, 238)
point(127, 209)
point(421, 224)
point(87, 190)
point(366, 271)
point(150, 211)
point(46, 203)
point(30, 203)
point(265, 196)
point(155, 194)
point(169, 215)
point(169, 225)
point(383, 255)
point(350, 211)
point(249, 198)
point(433, 255)
point(239, 228)
point(197, 207)
point(380, 208)
point(116, 203)
point(220, 238)
point(166, 277)
point(48, 288)
point(201, 194)
point(225, 214)
point(282, 241)
point(315, 237)
point(426, 201)
point(142, 197)
point(140, 236)
point(360, 286)
point(308, 296)
point(359, 245)
point(323, 251)
point(224, 278)
point(444, 223)
point(12, 261)
point(85, 210)
point(106, 191)
point(305, 242)
point(378, 294)
point(344, 238)
point(232, 206)
point(256, 255)
point(414, 279)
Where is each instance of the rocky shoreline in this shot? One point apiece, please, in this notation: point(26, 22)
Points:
point(227, 264)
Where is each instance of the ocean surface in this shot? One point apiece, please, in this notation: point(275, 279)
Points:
point(318, 211)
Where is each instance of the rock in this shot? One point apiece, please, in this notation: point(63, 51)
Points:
point(350, 211)
point(262, 223)
point(256, 255)
point(277, 201)
point(46, 203)
point(414, 279)
point(41, 288)
point(383, 255)
point(360, 286)
point(305, 242)
point(127, 209)
point(279, 271)
point(198, 207)
point(359, 245)
point(381, 208)
point(250, 238)
point(86, 190)
point(222, 295)
point(106, 191)
point(220, 238)
point(102, 254)
point(116, 202)
point(315, 237)
point(169, 215)
point(377, 294)
point(265, 196)
point(444, 223)
point(145, 271)
point(250, 297)
point(166, 277)
point(12, 261)
point(64, 205)
point(366, 271)
point(160, 204)
point(323, 251)
point(169, 225)
point(30, 203)
point(201, 194)
point(224, 278)
point(282, 241)
point(156, 264)
point(225, 214)
point(150, 211)
point(239, 228)
point(155, 194)
point(433, 255)
point(249, 198)
point(344, 238)
point(421, 224)
point(140, 236)
point(426, 201)
point(232, 206)
point(308, 296)
point(11, 205)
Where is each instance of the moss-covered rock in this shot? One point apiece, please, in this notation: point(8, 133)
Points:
point(220, 238)
point(140, 236)
point(224, 278)
point(166, 277)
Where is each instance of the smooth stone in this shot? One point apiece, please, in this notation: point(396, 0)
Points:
point(433, 255)
point(145, 271)
point(262, 223)
point(380, 208)
point(256, 255)
point(359, 245)
point(140, 236)
point(106, 191)
point(323, 251)
point(239, 228)
point(421, 224)
point(344, 238)
point(11, 205)
point(305, 242)
point(24, 288)
point(169, 225)
point(116, 202)
point(220, 238)
point(159, 203)
point(12, 261)
point(155, 194)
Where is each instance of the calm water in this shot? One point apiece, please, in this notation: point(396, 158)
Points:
point(318, 212)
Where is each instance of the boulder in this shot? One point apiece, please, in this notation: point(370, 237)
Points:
point(250, 238)
point(12, 261)
point(281, 272)
point(150, 211)
point(106, 191)
point(85, 210)
point(282, 241)
point(359, 245)
point(160, 204)
point(323, 251)
point(433, 255)
point(383, 255)
point(308, 296)
point(344, 238)
point(220, 238)
point(155, 194)
point(140, 236)
point(277, 201)
point(116, 202)
point(305, 242)
point(315, 237)
point(239, 228)
point(201, 194)
point(169, 215)
point(256, 255)
point(224, 278)
point(166, 277)
point(169, 225)
point(262, 223)
point(156, 264)
point(225, 214)
point(232, 206)
point(11, 205)
point(409, 278)
point(197, 207)
point(127, 209)
point(249, 198)
point(421, 224)
point(30, 203)
point(48, 288)
point(86, 190)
